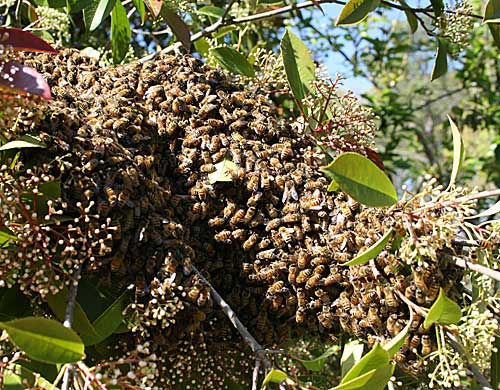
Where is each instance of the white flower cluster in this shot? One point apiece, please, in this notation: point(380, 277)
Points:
point(53, 20)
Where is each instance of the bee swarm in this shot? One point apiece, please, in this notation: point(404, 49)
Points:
point(141, 140)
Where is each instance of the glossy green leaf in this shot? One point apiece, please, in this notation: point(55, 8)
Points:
point(12, 381)
point(81, 323)
point(6, 236)
point(351, 355)
point(495, 364)
point(45, 339)
point(441, 62)
point(274, 376)
point(26, 141)
point(76, 6)
point(112, 317)
point(495, 32)
point(96, 12)
point(375, 379)
point(458, 152)
point(318, 363)
point(13, 303)
point(356, 11)
point(210, 10)
point(495, 209)
point(178, 27)
point(437, 6)
point(376, 358)
point(34, 380)
point(233, 61)
point(410, 18)
point(443, 311)
point(202, 46)
point(141, 9)
point(397, 341)
point(362, 179)
point(298, 63)
point(492, 12)
point(120, 33)
point(372, 251)
point(333, 186)
point(223, 171)
point(50, 189)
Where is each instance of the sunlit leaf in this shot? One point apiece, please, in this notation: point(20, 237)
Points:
point(372, 251)
point(318, 363)
point(376, 358)
point(178, 27)
point(210, 10)
point(495, 209)
point(410, 18)
point(120, 33)
point(111, 318)
point(223, 171)
point(274, 376)
point(397, 341)
point(45, 339)
point(81, 323)
point(18, 79)
point(233, 61)
point(458, 151)
point(6, 236)
point(34, 380)
point(141, 9)
point(362, 179)
point(154, 7)
point(333, 186)
point(96, 12)
point(298, 63)
point(375, 379)
point(351, 354)
point(492, 12)
point(24, 40)
point(356, 11)
point(202, 46)
point(26, 141)
point(495, 33)
point(441, 61)
point(443, 311)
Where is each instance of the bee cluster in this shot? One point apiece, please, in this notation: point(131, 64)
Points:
point(139, 142)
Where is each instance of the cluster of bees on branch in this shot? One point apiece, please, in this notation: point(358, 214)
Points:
point(141, 143)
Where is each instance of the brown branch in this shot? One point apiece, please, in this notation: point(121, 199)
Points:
point(433, 100)
point(463, 263)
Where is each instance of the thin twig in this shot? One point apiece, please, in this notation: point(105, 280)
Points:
point(485, 385)
point(463, 263)
point(479, 195)
point(412, 305)
point(260, 352)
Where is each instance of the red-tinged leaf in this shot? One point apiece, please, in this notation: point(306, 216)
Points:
point(24, 40)
point(374, 157)
point(179, 28)
point(16, 78)
point(154, 7)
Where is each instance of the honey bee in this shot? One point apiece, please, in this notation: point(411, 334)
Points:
point(253, 183)
point(123, 198)
point(410, 291)
point(91, 165)
point(312, 281)
point(239, 234)
point(264, 243)
point(261, 321)
point(205, 110)
point(203, 298)
point(345, 323)
point(373, 317)
point(289, 192)
point(207, 168)
point(265, 181)
point(250, 242)
point(237, 217)
point(273, 224)
point(237, 137)
point(419, 296)
point(238, 124)
point(303, 276)
point(265, 255)
point(247, 268)
point(302, 259)
point(224, 236)
point(357, 330)
point(318, 260)
point(111, 196)
point(236, 155)
point(306, 224)
point(216, 221)
point(319, 269)
point(250, 213)
point(326, 318)
point(418, 276)
point(426, 344)
point(432, 291)
point(414, 342)
point(276, 288)
point(214, 122)
point(285, 234)
point(300, 315)
point(266, 273)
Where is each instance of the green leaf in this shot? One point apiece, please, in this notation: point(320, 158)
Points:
point(178, 27)
point(45, 339)
point(210, 10)
point(5, 236)
point(495, 209)
point(141, 9)
point(495, 364)
point(112, 317)
point(333, 186)
point(50, 189)
point(120, 33)
point(34, 380)
point(13, 381)
point(274, 376)
point(318, 363)
point(495, 32)
point(437, 6)
point(362, 179)
point(458, 152)
point(81, 323)
point(356, 11)
point(492, 12)
point(375, 379)
point(441, 62)
point(223, 171)
point(26, 141)
point(202, 46)
point(372, 251)
point(351, 355)
point(96, 12)
point(376, 358)
point(443, 311)
point(13, 303)
point(233, 61)
point(298, 63)
point(397, 341)
point(76, 6)
point(410, 18)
